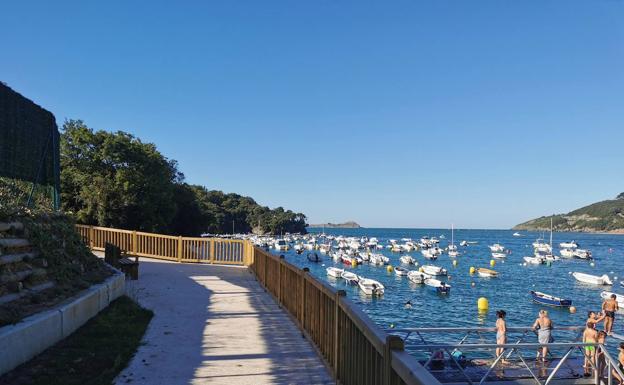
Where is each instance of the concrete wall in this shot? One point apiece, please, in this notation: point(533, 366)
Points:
point(21, 342)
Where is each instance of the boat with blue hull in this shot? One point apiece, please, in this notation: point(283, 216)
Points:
point(549, 300)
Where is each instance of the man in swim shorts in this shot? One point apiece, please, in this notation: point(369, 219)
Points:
point(543, 325)
point(609, 307)
point(590, 335)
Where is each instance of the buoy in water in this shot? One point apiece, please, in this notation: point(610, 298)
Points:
point(472, 284)
point(454, 262)
point(389, 268)
point(592, 264)
point(572, 309)
point(483, 304)
point(353, 263)
point(472, 270)
point(492, 262)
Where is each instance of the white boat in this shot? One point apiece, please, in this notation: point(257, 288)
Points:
point(435, 250)
point(463, 243)
point(499, 255)
point(309, 246)
point(453, 253)
point(428, 254)
point(350, 278)
point(365, 255)
point(433, 270)
point(298, 247)
point(452, 249)
point(517, 234)
point(486, 273)
point(401, 271)
point(334, 272)
point(417, 276)
point(567, 253)
point(325, 248)
point(582, 253)
point(497, 248)
point(592, 279)
point(281, 245)
point(378, 259)
point(618, 297)
point(370, 286)
point(541, 246)
point(568, 245)
point(534, 260)
point(441, 287)
point(407, 260)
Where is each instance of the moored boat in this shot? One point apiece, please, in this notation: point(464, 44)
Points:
point(334, 272)
point(370, 286)
point(486, 273)
point(350, 278)
point(428, 254)
point(497, 248)
point(592, 279)
point(433, 270)
point(417, 276)
point(441, 287)
point(400, 271)
point(407, 260)
point(546, 299)
point(499, 255)
point(534, 260)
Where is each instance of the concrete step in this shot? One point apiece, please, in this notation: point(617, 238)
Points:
point(18, 257)
point(11, 226)
point(13, 296)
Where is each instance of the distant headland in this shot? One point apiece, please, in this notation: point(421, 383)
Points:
point(345, 225)
point(601, 217)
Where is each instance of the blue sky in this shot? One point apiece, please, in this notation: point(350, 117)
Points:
point(393, 114)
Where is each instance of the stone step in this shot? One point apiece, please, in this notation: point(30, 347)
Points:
point(19, 276)
point(11, 226)
point(18, 257)
point(14, 243)
point(13, 296)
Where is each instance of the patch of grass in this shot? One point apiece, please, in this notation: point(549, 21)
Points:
point(93, 355)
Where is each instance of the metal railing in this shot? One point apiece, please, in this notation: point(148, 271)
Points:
point(356, 349)
point(168, 247)
point(509, 351)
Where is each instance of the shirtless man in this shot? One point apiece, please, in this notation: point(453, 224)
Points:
point(609, 307)
point(544, 326)
point(590, 335)
point(594, 317)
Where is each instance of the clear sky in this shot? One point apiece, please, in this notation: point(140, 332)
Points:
point(391, 113)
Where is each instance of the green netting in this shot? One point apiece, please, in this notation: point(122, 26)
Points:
point(29, 141)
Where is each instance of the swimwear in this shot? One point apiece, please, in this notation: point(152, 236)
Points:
point(500, 335)
point(543, 335)
point(589, 349)
point(610, 314)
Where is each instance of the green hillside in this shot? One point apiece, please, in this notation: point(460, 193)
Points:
point(605, 216)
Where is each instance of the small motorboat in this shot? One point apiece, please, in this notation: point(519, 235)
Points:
point(497, 248)
point(550, 300)
point(582, 254)
point(499, 255)
point(568, 245)
point(463, 243)
point(517, 234)
point(348, 260)
point(433, 270)
point(428, 254)
point(592, 279)
point(350, 278)
point(313, 257)
point(365, 256)
point(407, 260)
point(441, 287)
point(566, 253)
point(534, 260)
point(378, 259)
point(417, 276)
point(618, 297)
point(401, 271)
point(370, 286)
point(334, 272)
point(453, 253)
point(486, 273)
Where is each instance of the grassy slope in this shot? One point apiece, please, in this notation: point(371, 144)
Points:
point(93, 355)
point(602, 216)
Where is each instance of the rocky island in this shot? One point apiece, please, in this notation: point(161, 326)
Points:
point(345, 225)
point(602, 217)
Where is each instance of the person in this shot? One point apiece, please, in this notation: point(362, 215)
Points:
point(590, 335)
point(600, 355)
point(543, 325)
point(594, 317)
point(609, 307)
point(501, 332)
point(616, 375)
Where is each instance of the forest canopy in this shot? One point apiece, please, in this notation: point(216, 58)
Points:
point(116, 180)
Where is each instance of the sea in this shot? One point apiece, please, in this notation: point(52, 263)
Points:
point(509, 292)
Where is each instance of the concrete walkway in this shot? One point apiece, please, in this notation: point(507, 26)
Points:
point(216, 325)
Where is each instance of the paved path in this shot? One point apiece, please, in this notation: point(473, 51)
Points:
point(216, 325)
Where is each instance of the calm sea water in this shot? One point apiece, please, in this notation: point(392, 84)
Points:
point(509, 292)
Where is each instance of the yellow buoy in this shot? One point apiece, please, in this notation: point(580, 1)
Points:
point(421, 270)
point(472, 270)
point(454, 262)
point(572, 309)
point(492, 262)
point(353, 263)
point(482, 304)
point(389, 268)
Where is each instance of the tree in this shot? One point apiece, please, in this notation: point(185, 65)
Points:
point(620, 196)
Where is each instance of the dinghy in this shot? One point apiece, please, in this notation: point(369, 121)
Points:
point(400, 271)
point(486, 273)
point(497, 248)
point(314, 257)
point(428, 254)
point(334, 272)
point(592, 279)
point(441, 287)
point(618, 297)
point(534, 260)
point(433, 270)
point(407, 260)
point(453, 253)
point(417, 276)
point(378, 259)
point(550, 300)
point(370, 286)
point(350, 278)
point(499, 255)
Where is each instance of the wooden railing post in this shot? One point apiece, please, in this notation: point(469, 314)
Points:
point(91, 233)
point(337, 331)
point(304, 297)
point(212, 250)
point(134, 247)
point(392, 343)
point(279, 279)
point(179, 253)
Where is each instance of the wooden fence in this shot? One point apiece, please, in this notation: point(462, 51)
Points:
point(168, 247)
point(357, 350)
